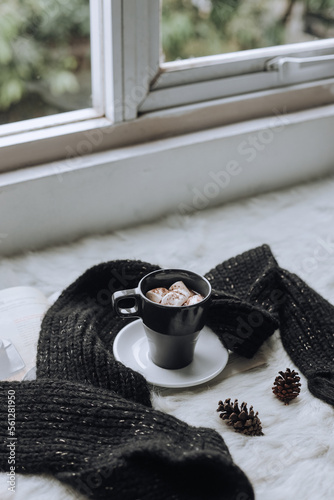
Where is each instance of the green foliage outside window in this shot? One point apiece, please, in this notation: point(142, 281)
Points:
point(38, 47)
point(198, 28)
point(45, 49)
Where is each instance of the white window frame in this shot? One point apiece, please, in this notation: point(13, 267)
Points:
point(100, 169)
point(225, 75)
point(135, 98)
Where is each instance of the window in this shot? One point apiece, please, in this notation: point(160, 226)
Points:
point(199, 79)
point(45, 58)
point(51, 71)
point(195, 28)
point(136, 95)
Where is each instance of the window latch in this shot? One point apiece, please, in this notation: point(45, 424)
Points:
point(287, 65)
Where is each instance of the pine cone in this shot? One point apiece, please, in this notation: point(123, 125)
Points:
point(286, 386)
point(242, 420)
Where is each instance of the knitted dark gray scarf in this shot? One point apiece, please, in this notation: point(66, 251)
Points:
point(88, 419)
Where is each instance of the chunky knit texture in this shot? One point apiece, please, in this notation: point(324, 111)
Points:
point(255, 296)
point(78, 332)
point(245, 294)
point(88, 419)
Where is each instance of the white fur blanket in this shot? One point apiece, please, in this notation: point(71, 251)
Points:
point(295, 457)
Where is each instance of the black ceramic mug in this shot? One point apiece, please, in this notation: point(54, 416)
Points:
point(172, 331)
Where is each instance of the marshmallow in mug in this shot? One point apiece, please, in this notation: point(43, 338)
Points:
point(177, 295)
point(194, 299)
point(180, 287)
point(156, 294)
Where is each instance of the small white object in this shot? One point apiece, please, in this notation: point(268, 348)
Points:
point(180, 287)
point(10, 359)
point(194, 299)
point(173, 299)
point(31, 374)
point(156, 294)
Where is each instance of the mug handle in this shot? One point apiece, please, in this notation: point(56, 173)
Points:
point(117, 297)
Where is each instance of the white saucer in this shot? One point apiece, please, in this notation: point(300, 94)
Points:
point(131, 348)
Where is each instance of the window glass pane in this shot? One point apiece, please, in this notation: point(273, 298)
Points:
point(44, 58)
point(194, 28)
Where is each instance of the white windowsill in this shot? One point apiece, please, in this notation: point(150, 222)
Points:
point(58, 202)
point(62, 137)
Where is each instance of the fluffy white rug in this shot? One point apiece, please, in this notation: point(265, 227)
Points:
point(295, 457)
